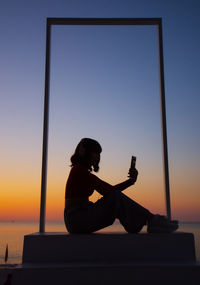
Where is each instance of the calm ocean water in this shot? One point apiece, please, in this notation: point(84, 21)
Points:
point(13, 235)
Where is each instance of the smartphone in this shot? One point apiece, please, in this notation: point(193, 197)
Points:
point(133, 162)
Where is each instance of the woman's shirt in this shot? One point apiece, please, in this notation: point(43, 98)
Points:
point(81, 184)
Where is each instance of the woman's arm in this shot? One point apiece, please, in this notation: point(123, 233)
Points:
point(123, 185)
point(133, 173)
point(105, 188)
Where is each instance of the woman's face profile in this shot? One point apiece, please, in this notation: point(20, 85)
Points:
point(95, 158)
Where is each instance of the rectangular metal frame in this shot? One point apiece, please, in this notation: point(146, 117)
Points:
point(101, 21)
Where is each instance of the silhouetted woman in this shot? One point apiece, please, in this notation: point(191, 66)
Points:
point(84, 216)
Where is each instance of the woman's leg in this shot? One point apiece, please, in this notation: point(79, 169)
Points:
point(131, 214)
point(89, 217)
point(102, 214)
point(117, 205)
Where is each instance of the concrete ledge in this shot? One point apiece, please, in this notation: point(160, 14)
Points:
point(107, 275)
point(108, 247)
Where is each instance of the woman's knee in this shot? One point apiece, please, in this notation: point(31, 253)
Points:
point(134, 229)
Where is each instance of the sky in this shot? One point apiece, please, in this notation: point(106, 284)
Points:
point(105, 85)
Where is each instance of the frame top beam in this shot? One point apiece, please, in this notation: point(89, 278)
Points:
point(104, 21)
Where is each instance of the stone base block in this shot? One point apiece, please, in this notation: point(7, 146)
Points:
point(108, 248)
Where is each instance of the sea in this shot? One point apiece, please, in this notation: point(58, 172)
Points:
point(12, 235)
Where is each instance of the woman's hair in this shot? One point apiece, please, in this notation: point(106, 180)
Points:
point(83, 152)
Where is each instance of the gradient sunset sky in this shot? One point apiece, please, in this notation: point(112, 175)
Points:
point(104, 85)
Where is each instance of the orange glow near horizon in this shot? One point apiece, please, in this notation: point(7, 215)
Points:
point(23, 203)
point(20, 198)
point(19, 209)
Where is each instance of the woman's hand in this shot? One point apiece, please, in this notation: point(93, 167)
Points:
point(132, 174)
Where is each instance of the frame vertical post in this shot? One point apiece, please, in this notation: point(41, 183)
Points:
point(163, 120)
point(45, 131)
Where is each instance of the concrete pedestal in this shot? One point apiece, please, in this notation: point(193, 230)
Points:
point(104, 259)
point(108, 248)
point(101, 274)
